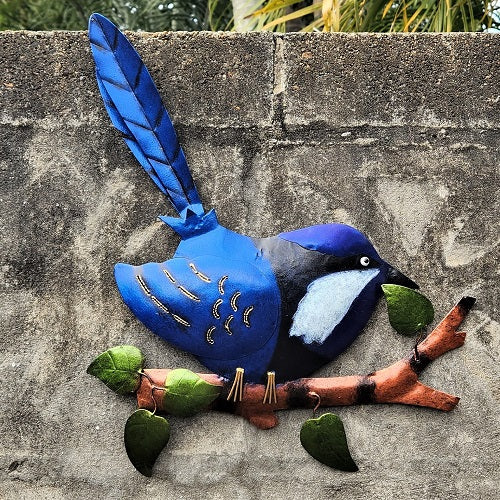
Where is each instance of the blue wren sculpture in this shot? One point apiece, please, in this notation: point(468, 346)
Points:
point(266, 309)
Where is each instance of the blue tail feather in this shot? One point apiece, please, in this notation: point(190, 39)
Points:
point(135, 108)
point(119, 123)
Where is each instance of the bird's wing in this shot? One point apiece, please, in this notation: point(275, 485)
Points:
point(136, 110)
point(211, 307)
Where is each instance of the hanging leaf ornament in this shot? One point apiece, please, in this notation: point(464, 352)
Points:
point(409, 311)
point(186, 393)
point(324, 439)
point(146, 434)
point(119, 368)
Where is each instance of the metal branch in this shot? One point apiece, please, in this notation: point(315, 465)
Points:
point(397, 383)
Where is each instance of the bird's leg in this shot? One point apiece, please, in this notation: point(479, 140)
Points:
point(237, 387)
point(270, 394)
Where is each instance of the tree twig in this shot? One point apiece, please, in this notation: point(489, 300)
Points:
point(397, 383)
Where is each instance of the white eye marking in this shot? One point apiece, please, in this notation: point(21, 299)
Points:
point(364, 261)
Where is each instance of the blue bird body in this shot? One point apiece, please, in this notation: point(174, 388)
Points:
point(289, 303)
point(217, 298)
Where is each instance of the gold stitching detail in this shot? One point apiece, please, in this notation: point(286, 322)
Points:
point(234, 298)
point(246, 314)
point(215, 308)
point(221, 284)
point(208, 335)
point(159, 304)
point(168, 275)
point(227, 323)
point(180, 320)
point(188, 294)
point(200, 275)
point(145, 289)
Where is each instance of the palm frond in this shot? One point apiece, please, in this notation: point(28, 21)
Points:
point(382, 15)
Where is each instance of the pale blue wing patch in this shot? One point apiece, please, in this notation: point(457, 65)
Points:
point(326, 302)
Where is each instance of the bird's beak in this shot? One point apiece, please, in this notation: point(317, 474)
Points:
point(396, 277)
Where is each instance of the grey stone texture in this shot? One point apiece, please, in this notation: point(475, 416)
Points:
point(397, 135)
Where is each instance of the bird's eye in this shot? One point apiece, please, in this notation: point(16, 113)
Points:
point(364, 261)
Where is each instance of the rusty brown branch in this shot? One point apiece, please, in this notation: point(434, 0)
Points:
point(397, 383)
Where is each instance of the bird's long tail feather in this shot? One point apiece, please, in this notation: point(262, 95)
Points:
point(136, 110)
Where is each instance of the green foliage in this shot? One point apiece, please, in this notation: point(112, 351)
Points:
point(378, 15)
point(324, 439)
point(273, 15)
point(186, 393)
point(145, 437)
point(143, 15)
point(409, 311)
point(119, 368)
point(38, 15)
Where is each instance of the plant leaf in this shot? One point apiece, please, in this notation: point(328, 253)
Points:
point(293, 15)
point(146, 434)
point(187, 393)
point(409, 311)
point(324, 439)
point(119, 368)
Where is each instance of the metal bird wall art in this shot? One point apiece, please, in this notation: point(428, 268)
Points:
point(262, 310)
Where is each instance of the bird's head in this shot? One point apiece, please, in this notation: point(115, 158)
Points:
point(347, 249)
point(344, 289)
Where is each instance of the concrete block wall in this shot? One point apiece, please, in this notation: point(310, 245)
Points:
point(397, 135)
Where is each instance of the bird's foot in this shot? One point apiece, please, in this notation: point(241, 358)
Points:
point(270, 394)
point(237, 388)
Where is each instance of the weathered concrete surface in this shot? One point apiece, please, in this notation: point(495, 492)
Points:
point(397, 135)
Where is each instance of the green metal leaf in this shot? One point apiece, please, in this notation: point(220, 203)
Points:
point(145, 437)
point(119, 368)
point(187, 393)
point(324, 439)
point(409, 311)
